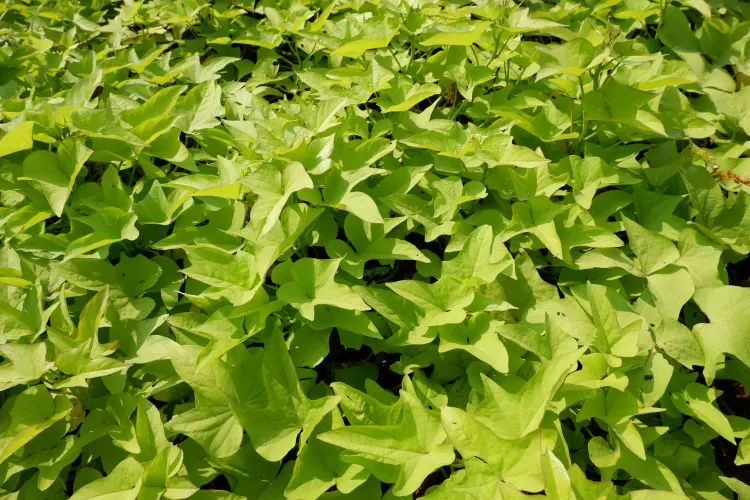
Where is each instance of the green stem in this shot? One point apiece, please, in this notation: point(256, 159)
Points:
point(400, 68)
point(312, 51)
point(498, 52)
point(497, 49)
point(476, 56)
point(293, 46)
point(596, 77)
point(458, 111)
point(411, 53)
point(583, 118)
point(663, 10)
point(612, 72)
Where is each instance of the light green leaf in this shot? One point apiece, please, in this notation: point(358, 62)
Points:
point(404, 453)
point(17, 139)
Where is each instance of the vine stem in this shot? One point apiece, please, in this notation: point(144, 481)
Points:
point(583, 117)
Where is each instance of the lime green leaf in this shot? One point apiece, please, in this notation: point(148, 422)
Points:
point(17, 139)
point(458, 34)
point(404, 453)
point(124, 481)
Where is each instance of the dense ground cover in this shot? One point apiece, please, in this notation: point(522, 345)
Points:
point(387, 249)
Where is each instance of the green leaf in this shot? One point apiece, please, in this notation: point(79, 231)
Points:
point(479, 339)
point(233, 232)
point(570, 58)
point(514, 415)
point(22, 363)
point(124, 481)
point(231, 276)
point(17, 139)
point(679, 343)
point(514, 461)
point(313, 284)
point(28, 414)
point(611, 337)
point(727, 331)
point(653, 251)
point(481, 259)
point(696, 401)
point(404, 95)
point(55, 175)
point(477, 480)
point(215, 428)
point(404, 453)
point(274, 419)
point(458, 34)
point(274, 188)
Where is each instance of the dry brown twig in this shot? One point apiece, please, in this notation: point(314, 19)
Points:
point(723, 175)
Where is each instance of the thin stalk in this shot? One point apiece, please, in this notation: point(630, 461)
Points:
point(663, 10)
point(411, 53)
point(612, 72)
point(496, 39)
point(476, 56)
point(458, 111)
point(400, 68)
point(583, 117)
point(312, 51)
point(497, 53)
point(293, 46)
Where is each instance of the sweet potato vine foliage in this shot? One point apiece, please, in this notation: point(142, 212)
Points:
point(374, 249)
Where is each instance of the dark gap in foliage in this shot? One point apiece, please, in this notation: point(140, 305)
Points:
point(52, 222)
point(290, 457)
point(340, 357)
point(691, 315)
point(387, 378)
point(401, 270)
point(635, 34)
point(269, 282)
point(316, 252)
point(250, 53)
point(739, 272)
point(95, 171)
point(592, 473)
point(159, 162)
point(220, 482)
point(436, 246)
point(179, 438)
point(253, 15)
point(426, 103)
point(734, 399)
point(384, 487)
point(623, 236)
point(189, 141)
point(433, 479)
point(706, 143)
point(594, 430)
point(71, 477)
point(725, 454)
point(701, 379)
point(541, 39)
point(206, 55)
point(272, 98)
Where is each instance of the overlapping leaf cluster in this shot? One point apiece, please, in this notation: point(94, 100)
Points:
point(357, 249)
